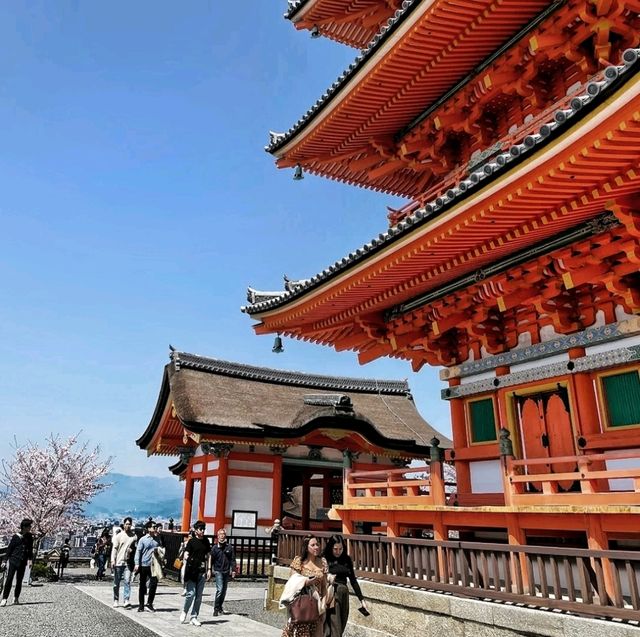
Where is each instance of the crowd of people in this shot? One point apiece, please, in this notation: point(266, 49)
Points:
point(316, 595)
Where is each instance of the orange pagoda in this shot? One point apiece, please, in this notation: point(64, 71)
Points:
point(512, 128)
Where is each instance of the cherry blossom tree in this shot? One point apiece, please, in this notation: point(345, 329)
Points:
point(50, 484)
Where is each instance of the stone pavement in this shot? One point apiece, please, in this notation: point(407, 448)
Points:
point(168, 604)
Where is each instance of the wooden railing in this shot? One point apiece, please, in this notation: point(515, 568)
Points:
point(527, 482)
point(416, 485)
point(595, 583)
point(589, 483)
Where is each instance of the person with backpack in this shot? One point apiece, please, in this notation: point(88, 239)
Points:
point(19, 556)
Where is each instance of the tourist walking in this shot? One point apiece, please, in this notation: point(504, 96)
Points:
point(120, 554)
point(181, 551)
point(224, 566)
point(197, 557)
point(63, 559)
point(144, 553)
point(308, 571)
point(19, 556)
point(340, 566)
point(101, 551)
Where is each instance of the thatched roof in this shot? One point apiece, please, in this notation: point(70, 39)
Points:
point(214, 397)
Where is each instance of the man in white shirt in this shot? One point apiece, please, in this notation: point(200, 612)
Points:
point(123, 544)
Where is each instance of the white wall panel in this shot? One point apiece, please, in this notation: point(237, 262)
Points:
point(486, 476)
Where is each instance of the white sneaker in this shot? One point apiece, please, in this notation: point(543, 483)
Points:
point(195, 622)
point(115, 603)
point(183, 617)
point(3, 602)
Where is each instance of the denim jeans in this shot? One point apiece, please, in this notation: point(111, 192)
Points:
point(101, 559)
point(222, 579)
point(194, 595)
point(121, 573)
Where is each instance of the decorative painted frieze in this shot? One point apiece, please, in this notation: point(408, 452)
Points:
point(590, 336)
point(591, 362)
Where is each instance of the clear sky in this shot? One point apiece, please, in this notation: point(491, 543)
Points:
point(137, 204)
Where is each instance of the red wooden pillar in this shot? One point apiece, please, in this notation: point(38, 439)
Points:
point(187, 503)
point(276, 498)
point(306, 501)
point(221, 495)
point(460, 440)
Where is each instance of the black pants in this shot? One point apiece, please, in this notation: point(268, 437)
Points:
point(14, 569)
point(145, 574)
point(336, 618)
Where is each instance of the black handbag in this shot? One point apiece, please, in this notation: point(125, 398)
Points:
point(303, 608)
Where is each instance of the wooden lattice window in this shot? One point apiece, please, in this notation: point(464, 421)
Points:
point(482, 421)
point(621, 394)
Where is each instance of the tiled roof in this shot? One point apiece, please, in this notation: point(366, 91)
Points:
point(294, 7)
point(277, 140)
point(182, 360)
point(595, 92)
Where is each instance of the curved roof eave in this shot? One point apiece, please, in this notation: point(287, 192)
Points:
point(279, 140)
point(563, 120)
point(165, 390)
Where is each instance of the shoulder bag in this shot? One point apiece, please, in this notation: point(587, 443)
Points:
point(303, 608)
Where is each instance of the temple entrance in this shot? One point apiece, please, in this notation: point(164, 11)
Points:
point(544, 422)
point(308, 492)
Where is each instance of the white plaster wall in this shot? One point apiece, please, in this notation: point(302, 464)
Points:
point(194, 501)
point(467, 380)
point(213, 465)
point(607, 347)
point(196, 468)
point(623, 484)
point(541, 362)
point(251, 466)
point(486, 476)
point(210, 496)
point(249, 494)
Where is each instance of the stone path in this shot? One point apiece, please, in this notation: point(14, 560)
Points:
point(79, 606)
point(168, 604)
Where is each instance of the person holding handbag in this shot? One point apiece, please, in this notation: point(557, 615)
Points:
point(341, 567)
point(308, 576)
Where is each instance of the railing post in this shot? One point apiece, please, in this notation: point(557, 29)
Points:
point(347, 464)
point(436, 478)
point(506, 458)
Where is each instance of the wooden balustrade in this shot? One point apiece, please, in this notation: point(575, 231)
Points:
point(408, 485)
point(590, 482)
point(575, 580)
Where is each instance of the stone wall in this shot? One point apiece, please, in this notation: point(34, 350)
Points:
point(398, 611)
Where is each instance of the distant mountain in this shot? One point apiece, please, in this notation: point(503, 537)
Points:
point(139, 497)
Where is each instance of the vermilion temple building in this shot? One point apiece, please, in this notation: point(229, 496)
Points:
point(513, 130)
point(275, 443)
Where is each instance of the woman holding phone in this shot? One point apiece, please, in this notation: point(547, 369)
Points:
point(341, 567)
point(313, 567)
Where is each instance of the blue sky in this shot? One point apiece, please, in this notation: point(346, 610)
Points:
point(137, 204)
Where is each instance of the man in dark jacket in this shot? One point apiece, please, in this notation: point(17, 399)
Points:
point(224, 565)
point(19, 556)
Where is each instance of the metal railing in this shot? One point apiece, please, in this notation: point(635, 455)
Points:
point(594, 583)
point(253, 554)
